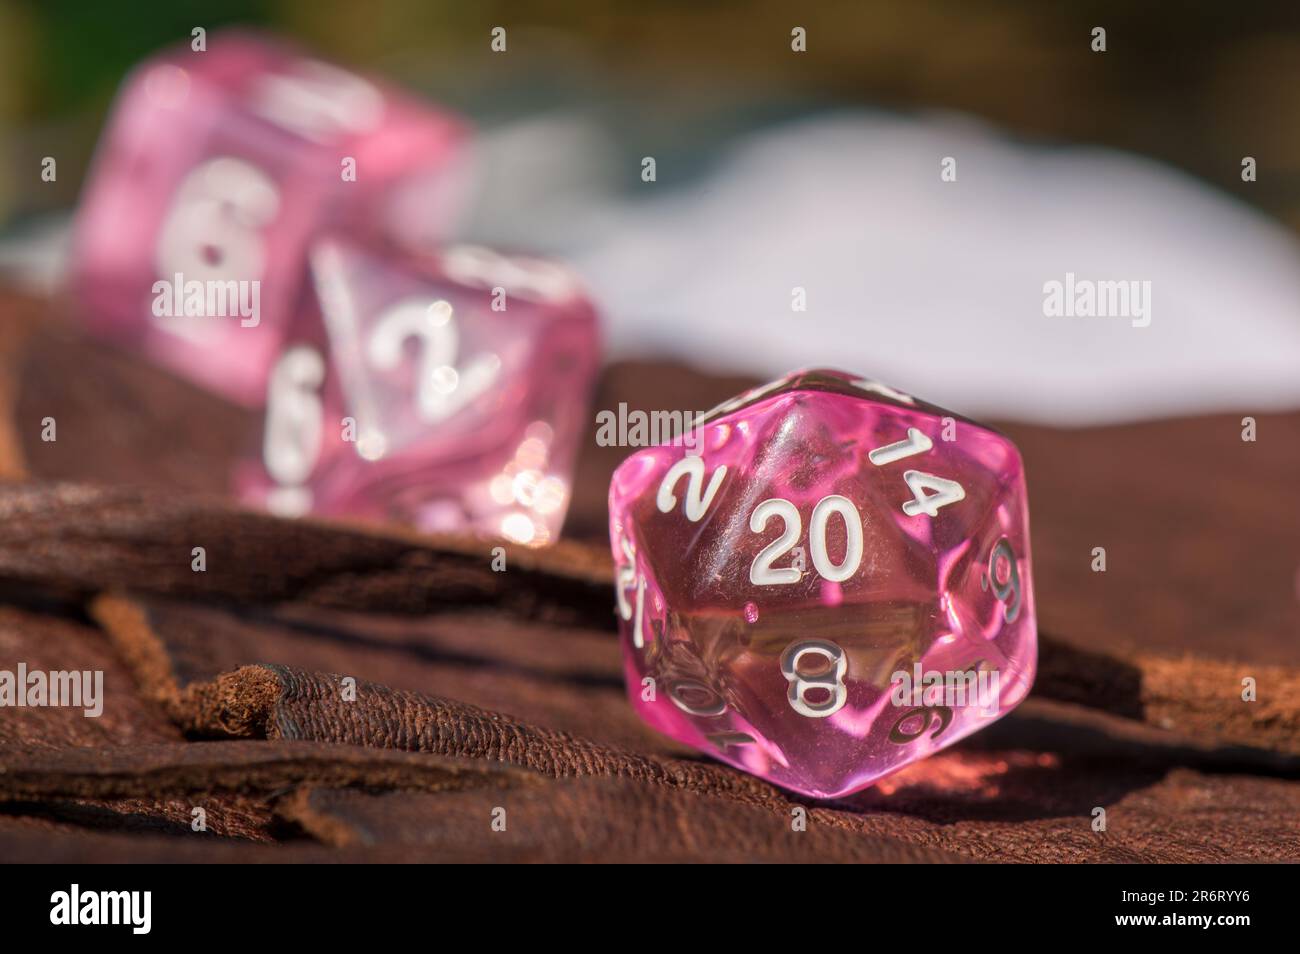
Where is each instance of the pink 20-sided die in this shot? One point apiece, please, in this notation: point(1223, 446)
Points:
point(214, 172)
point(447, 390)
point(832, 583)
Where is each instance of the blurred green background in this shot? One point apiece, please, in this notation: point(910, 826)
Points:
point(1198, 84)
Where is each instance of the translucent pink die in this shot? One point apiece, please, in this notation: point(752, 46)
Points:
point(215, 169)
point(833, 582)
point(446, 390)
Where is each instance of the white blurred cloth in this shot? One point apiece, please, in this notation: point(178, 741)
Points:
point(934, 287)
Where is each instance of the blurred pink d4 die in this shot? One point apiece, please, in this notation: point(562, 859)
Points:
point(832, 583)
point(448, 391)
point(215, 170)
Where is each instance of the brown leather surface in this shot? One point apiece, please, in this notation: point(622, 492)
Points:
point(47, 642)
point(592, 820)
point(140, 538)
point(478, 690)
point(239, 766)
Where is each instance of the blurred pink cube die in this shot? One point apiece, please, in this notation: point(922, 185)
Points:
point(832, 583)
point(452, 396)
point(215, 170)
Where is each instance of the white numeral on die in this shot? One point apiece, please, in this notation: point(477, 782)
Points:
point(761, 571)
point(628, 579)
point(821, 515)
point(213, 229)
point(1008, 590)
point(915, 443)
point(291, 443)
point(830, 682)
point(945, 492)
point(442, 388)
point(698, 498)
